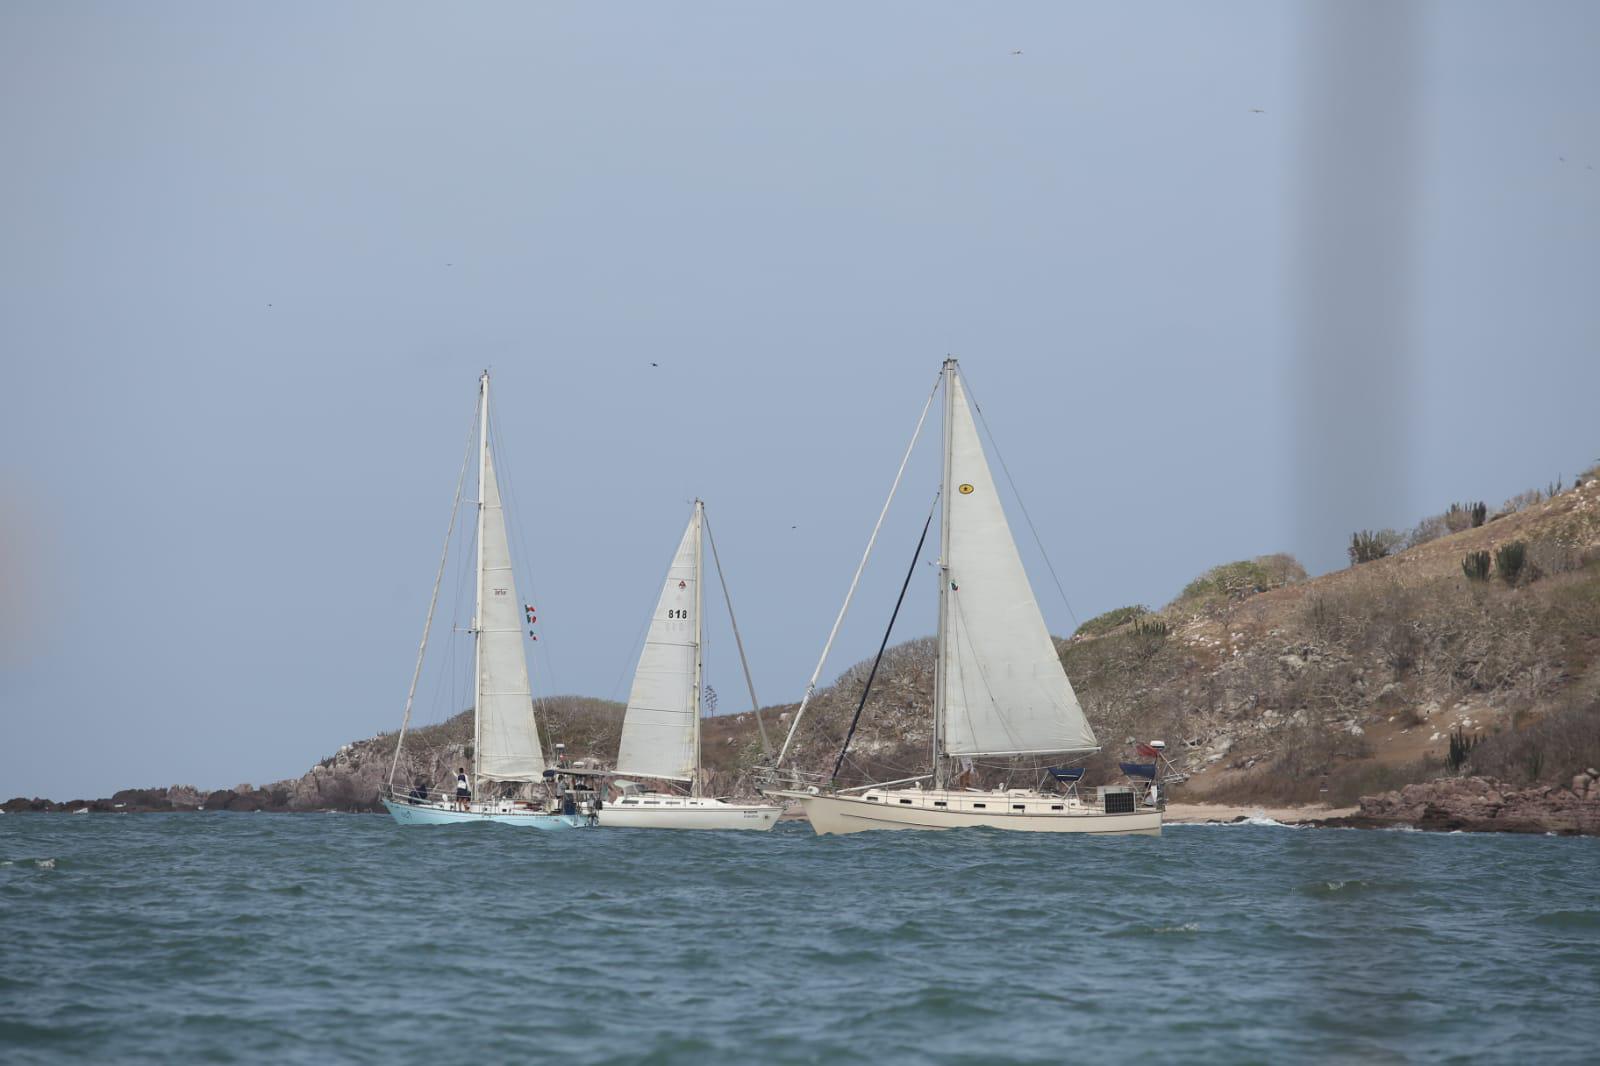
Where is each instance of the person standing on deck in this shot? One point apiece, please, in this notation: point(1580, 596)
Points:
point(463, 789)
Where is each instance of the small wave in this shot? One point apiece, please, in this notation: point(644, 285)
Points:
point(1570, 920)
point(1332, 888)
point(45, 864)
point(1260, 818)
point(1257, 817)
point(1158, 930)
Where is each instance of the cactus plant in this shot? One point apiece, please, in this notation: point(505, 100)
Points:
point(1476, 566)
point(1509, 559)
point(1366, 545)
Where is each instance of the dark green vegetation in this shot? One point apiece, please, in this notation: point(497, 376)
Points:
point(1476, 565)
point(1237, 580)
point(1101, 624)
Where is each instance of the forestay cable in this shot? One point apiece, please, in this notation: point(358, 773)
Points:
point(811, 686)
point(433, 601)
point(755, 704)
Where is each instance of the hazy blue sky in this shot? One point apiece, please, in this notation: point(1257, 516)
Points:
point(253, 256)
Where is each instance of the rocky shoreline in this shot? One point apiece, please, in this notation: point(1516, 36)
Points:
point(167, 800)
point(1469, 804)
point(1484, 805)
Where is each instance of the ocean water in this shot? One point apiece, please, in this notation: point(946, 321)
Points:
point(325, 938)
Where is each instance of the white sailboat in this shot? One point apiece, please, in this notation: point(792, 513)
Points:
point(661, 727)
point(506, 747)
point(999, 690)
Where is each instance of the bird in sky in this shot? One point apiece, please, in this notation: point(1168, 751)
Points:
point(1016, 51)
point(655, 364)
point(1258, 111)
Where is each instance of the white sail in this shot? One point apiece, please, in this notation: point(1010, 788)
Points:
point(1005, 692)
point(508, 735)
point(658, 731)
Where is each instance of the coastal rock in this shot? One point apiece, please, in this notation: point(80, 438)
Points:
point(141, 799)
point(218, 800)
point(184, 797)
point(1484, 805)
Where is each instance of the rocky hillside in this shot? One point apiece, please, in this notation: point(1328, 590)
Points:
point(1469, 645)
point(1269, 686)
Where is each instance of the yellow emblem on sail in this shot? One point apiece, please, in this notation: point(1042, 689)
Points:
point(965, 489)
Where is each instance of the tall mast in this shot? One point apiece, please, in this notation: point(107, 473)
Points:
point(939, 769)
point(477, 615)
point(699, 658)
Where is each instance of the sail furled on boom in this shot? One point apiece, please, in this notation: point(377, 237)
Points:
point(508, 734)
point(1005, 690)
point(658, 730)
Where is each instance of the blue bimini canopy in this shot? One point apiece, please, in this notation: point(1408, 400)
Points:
point(1136, 769)
point(1067, 773)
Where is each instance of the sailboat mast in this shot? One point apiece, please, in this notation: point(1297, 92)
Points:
point(477, 610)
point(943, 641)
point(699, 657)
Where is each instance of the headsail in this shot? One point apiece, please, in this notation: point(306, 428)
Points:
point(658, 731)
point(508, 735)
point(1005, 692)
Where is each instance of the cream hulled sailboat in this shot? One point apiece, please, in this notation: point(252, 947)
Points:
point(506, 745)
point(1000, 691)
point(661, 727)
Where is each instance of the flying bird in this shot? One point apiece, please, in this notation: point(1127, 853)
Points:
point(1016, 51)
point(1258, 111)
point(655, 364)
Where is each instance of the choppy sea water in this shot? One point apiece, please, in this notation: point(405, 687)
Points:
point(318, 938)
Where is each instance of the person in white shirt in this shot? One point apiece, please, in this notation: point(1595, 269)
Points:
point(463, 789)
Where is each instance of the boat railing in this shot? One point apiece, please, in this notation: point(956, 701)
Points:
point(417, 795)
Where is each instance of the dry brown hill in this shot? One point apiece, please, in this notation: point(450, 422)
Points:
point(1267, 685)
point(1270, 686)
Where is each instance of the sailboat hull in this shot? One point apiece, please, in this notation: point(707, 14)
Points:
point(686, 812)
point(915, 809)
point(429, 814)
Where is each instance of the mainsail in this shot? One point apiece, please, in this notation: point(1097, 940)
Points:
point(508, 746)
point(659, 729)
point(1005, 692)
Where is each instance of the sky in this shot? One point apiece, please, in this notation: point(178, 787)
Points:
point(1225, 280)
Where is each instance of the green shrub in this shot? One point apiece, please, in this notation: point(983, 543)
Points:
point(1509, 558)
point(1101, 624)
point(1476, 566)
point(1480, 512)
point(1430, 528)
point(1245, 577)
